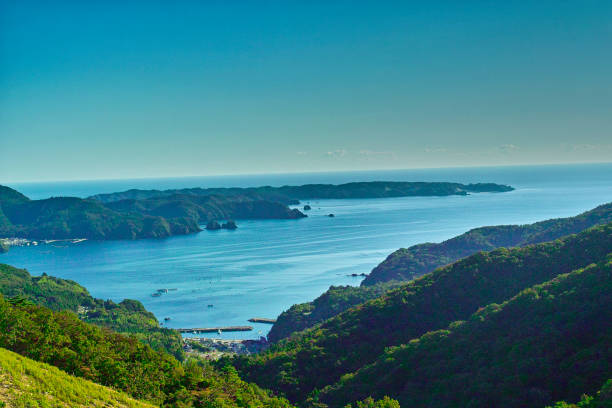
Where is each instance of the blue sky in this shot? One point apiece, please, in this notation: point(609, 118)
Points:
point(148, 89)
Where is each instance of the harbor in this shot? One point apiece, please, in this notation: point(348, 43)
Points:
point(213, 349)
point(216, 329)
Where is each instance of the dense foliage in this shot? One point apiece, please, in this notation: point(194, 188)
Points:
point(406, 264)
point(201, 209)
point(319, 356)
point(334, 301)
point(549, 342)
point(291, 194)
point(128, 316)
point(72, 217)
point(87, 351)
point(111, 359)
point(27, 383)
point(603, 399)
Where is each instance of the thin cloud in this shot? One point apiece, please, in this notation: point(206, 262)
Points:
point(435, 150)
point(375, 154)
point(336, 154)
point(508, 148)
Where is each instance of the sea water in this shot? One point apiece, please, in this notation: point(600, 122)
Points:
point(264, 267)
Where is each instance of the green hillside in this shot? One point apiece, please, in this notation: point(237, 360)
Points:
point(320, 356)
point(159, 217)
point(549, 342)
point(332, 302)
point(603, 399)
point(406, 264)
point(27, 383)
point(292, 194)
point(110, 359)
point(128, 316)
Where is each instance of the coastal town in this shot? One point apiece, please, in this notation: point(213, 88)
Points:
point(213, 349)
point(14, 242)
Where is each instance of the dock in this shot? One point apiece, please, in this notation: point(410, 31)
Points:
point(216, 329)
point(262, 320)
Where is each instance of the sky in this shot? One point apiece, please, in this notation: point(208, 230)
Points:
point(125, 89)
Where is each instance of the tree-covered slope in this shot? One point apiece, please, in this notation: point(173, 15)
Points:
point(406, 264)
point(319, 356)
point(333, 301)
point(27, 383)
point(291, 194)
point(128, 317)
point(549, 342)
point(120, 362)
point(603, 399)
point(201, 209)
point(72, 217)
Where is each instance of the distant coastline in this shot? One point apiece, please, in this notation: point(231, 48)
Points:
point(136, 214)
point(293, 194)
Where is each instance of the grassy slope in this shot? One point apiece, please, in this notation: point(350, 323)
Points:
point(321, 355)
point(549, 342)
point(114, 360)
point(27, 383)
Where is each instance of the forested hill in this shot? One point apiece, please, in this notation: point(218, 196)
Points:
point(549, 342)
point(72, 217)
point(128, 317)
point(110, 359)
point(317, 357)
point(406, 264)
point(292, 194)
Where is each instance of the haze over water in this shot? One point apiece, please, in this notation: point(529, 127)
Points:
point(266, 266)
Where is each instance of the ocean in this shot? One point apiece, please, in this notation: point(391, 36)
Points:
point(264, 267)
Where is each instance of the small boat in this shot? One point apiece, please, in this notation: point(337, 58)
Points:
point(219, 332)
point(210, 305)
point(166, 319)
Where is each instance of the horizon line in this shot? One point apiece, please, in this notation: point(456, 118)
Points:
point(300, 172)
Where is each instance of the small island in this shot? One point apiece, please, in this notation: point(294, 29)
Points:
point(229, 225)
point(213, 226)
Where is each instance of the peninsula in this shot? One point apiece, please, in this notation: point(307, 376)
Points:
point(136, 214)
point(72, 217)
point(293, 194)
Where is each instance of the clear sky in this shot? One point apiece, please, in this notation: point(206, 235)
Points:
point(120, 89)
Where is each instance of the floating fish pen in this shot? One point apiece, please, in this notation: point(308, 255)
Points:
point(166, 290)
